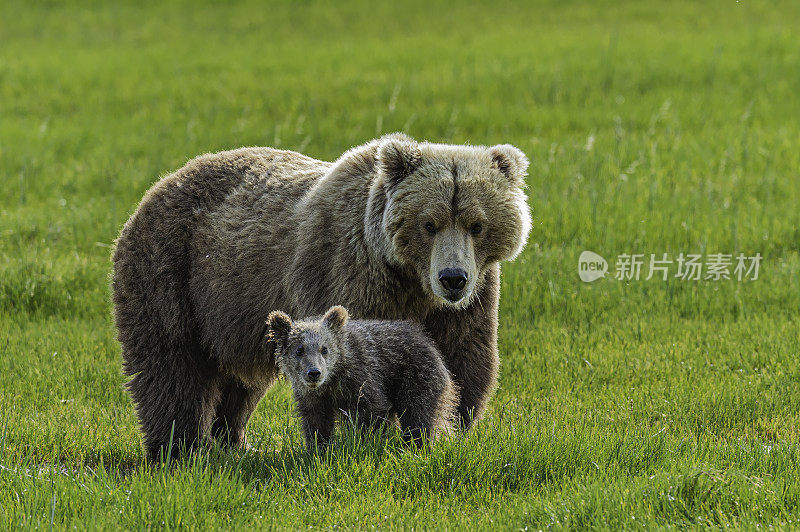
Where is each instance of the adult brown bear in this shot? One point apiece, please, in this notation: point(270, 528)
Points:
point(394, 229)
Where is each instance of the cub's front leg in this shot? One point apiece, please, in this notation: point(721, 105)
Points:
point(317, 426)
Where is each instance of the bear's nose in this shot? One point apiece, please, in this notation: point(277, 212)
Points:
point(313, 375)
point(453, 279)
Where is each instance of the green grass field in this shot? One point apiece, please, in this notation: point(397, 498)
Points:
point(652, 127)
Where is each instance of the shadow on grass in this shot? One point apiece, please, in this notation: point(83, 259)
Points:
point(282, 456)
point(507, 452)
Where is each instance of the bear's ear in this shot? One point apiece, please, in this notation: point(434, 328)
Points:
point(335, 318)
point(510, 161)
point(397, 158)
point(279, 324)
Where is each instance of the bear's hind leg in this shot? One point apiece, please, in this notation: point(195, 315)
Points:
point(427, 409)
point(416, 412)
point(416, 428)
point(164, 399)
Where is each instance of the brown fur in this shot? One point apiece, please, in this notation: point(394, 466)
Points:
point(373, 371)
point(217, 245)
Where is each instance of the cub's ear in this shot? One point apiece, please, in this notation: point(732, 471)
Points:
point(335, 318)
point(397, 157)
point(279, 324)
point(510, 161)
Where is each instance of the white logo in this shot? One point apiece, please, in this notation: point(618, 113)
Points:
point(591, 266)
point(690, 267)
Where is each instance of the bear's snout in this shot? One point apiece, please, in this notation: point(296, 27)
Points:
point(453, 280)
point(313, 375)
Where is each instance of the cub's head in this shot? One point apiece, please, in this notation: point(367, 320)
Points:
point(452, 211)
point(307, 352)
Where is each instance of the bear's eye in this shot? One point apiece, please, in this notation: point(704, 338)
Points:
point(324, 350)
point(429, 227)
point(476, 228)
point(299, 351)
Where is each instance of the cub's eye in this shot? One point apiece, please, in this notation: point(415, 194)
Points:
point(476, 228)
point(324, 350)
point(299, 351)
point(429, 227)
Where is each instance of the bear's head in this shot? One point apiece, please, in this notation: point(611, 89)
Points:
point(451, 211)
point(307, 351)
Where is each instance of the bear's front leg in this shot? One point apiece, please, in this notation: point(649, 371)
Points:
point(467, 340)
point(237, 403)
point(317, 426)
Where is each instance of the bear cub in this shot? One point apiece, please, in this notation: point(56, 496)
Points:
point(375, 371)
